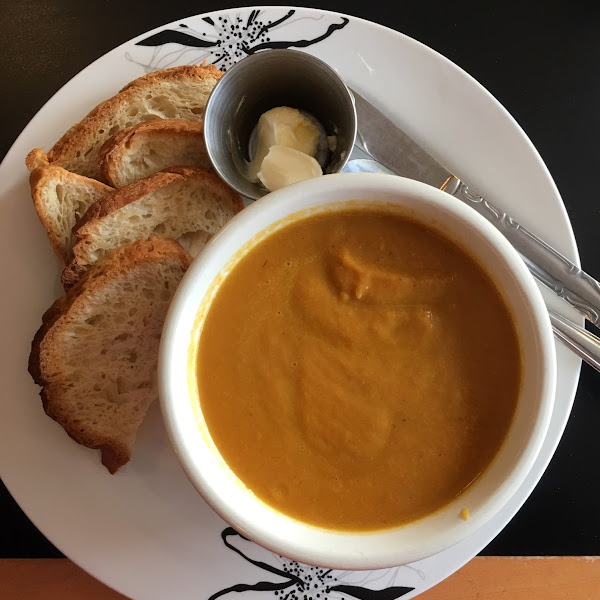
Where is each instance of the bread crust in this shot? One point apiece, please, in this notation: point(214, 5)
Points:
point(39, 181)
point(121, 197)
point(36, 159)
point(41, 359)
point(114, 150)
point(77, 137)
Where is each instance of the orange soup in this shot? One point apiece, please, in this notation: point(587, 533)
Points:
point(357, 370)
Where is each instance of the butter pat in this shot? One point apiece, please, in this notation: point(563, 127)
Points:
point(287, 127)
point(283, 166)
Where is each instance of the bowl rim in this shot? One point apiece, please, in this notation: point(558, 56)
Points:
point(326, 549)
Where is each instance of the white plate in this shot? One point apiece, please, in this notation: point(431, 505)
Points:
point(145, 531)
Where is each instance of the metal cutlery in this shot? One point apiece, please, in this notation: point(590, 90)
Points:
point(390, 146)
point(395, 152)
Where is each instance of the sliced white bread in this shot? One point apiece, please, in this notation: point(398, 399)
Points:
point(178, 203)
point(96, 353)
point(61, 198)
point(149, 147)
point(176, 93)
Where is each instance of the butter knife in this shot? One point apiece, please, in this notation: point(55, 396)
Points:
point(380, 138)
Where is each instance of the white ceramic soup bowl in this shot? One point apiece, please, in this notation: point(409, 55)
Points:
point(349, 550)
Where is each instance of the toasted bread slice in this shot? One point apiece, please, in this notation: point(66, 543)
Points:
point(96, 353)
point(149, 147)
point(174, 203)
point(61, 198)
point(176, 93)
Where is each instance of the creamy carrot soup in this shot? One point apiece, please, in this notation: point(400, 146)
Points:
point(357, 370)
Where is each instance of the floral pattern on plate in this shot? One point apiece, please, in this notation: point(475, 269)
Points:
point(230, 37)
point(289, 580)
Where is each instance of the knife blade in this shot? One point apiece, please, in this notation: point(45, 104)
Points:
point(383, 140)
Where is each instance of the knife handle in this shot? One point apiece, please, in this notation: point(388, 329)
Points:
point(545, 263)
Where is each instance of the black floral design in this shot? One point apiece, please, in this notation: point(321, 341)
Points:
point(230, 37)
point(295, 581)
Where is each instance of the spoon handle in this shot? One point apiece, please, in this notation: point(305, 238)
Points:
point(580, 341)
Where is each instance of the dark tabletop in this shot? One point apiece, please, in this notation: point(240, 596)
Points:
point(540, 59)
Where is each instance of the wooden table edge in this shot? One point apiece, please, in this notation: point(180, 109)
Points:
point(483, 578)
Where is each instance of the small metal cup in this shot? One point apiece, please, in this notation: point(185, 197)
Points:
point(266, 80)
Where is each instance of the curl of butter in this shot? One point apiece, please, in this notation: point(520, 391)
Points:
point(283, 166)
point(284, 127)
